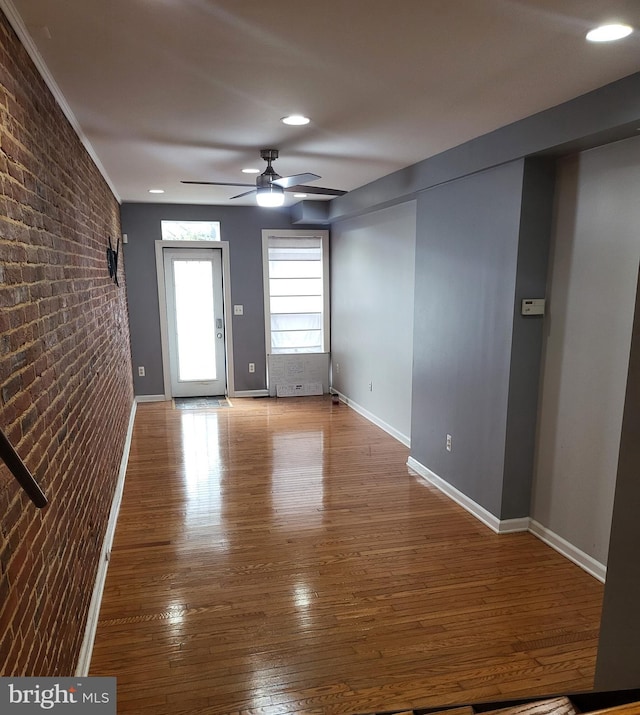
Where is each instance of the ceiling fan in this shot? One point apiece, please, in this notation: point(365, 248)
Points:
point(270, 187)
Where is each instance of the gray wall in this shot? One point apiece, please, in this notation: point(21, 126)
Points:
point(241, 226)
point(619, 646)
point(476, 359)
point(593, 278)
point(598, 118)
point(372, 278)
point(536, 219)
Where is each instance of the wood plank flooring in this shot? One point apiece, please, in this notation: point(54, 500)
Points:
point(279, 557)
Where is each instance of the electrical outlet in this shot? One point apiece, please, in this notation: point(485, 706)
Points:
point(252, 367)
point(141, 372)
point(238, 309)
point(337, 367)
point(370, 387)
point(448, 443)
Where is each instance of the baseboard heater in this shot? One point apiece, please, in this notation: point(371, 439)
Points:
point(303, 389)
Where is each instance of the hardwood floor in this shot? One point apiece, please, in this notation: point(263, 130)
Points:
point(279, 557)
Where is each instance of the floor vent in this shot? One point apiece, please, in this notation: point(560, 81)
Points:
point(303, 389)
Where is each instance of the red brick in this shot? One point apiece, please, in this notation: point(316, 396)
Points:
point(65, 386)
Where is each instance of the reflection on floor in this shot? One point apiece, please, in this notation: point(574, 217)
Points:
point(279, 557)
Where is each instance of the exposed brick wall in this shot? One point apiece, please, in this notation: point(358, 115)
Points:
point(65, 373)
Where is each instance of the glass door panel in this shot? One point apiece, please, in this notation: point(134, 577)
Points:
point(195, 321)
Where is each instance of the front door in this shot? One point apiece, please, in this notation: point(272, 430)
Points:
point(195, 318)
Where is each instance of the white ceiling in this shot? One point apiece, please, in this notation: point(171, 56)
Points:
point(165, 90)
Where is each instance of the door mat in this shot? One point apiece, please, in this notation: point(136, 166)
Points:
point(201, 403)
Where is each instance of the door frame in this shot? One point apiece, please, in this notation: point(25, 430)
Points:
point(222, 246)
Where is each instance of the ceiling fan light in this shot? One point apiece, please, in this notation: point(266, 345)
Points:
point(270, 196)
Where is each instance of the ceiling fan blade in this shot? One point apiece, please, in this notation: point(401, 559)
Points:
point(315, 190)
point(246, 193)
point(295, 180)
point(215, 183)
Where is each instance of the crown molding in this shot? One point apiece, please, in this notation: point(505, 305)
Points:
point(17, 23)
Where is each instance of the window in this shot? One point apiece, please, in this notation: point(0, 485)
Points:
point(190, 230)
point(296, 281)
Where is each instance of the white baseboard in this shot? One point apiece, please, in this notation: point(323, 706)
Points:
point(84, 659)
point(513, 526)
point(569, 551)
point(500, 526)
point(396, 434)
point(150, 398)
point(509, 526)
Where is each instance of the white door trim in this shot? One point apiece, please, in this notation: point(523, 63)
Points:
point(162, 304)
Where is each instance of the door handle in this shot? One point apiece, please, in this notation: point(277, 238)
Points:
point(219, 335)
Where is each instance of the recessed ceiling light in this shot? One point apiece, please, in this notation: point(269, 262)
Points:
point(251, 171)
point(609, 33)
point(300, 196)
point(295, 120)
point(156, 191)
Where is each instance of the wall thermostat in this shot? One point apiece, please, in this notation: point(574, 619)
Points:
point(533, 306)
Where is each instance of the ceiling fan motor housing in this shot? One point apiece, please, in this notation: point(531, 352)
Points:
point(267, 178)
point(269, 175)
point(269, 155)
